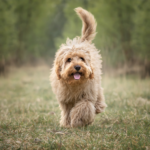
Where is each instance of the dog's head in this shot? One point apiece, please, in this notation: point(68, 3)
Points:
point(73, 64)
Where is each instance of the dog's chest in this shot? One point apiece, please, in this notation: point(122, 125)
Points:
point(75, 94)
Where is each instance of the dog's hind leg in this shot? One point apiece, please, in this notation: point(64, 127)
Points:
point(82, 114)
point(100, 103)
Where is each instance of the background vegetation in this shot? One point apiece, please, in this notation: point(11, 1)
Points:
point(31, 30)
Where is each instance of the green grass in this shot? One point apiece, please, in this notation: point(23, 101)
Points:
point(29, 115)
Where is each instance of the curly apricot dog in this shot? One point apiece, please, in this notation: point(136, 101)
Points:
point(76, 76)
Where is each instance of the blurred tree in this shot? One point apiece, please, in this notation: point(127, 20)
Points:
point(7, 32)
point(141, 34)
point(56, 25)
point(115, 26)
point(73, 24)
point(27, 13)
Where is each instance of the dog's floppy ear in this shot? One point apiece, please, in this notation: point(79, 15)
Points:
point(88, 24)
point(92, 73)
point(57, 70)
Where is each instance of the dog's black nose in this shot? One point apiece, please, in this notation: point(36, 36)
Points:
point(77, 67)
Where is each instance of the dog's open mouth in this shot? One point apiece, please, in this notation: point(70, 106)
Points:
point(76, 75)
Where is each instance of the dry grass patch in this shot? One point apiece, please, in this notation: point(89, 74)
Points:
point(29, 117)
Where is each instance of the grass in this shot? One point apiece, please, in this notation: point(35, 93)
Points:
point(29, 115)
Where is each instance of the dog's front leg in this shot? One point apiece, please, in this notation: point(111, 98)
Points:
point(65, 115)
point(82, 114)
point(100, 103)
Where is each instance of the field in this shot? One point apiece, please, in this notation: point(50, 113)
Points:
point(29, 114)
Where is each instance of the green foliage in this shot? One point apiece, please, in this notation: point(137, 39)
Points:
point(24, 27)
point(115, 29)
point(35, 29)
point(7, 29)
point(141, 31)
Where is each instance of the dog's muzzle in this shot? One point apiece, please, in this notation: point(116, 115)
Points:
point(77, 75)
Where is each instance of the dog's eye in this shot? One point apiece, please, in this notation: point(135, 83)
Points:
point(69, 60)
point(82, 58)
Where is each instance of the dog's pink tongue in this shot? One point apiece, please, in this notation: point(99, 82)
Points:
point(77, 76)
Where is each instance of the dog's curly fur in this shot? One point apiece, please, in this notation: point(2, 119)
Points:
point(80, 99)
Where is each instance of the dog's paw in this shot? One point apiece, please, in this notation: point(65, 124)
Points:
point(100, 107)
point(65, 122)
point(65, 126)
point(77, 123)
point(80, 123)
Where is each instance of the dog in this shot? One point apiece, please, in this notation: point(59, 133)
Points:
point(76, 76)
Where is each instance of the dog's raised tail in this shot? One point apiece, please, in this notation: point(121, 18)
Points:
point(88, 24)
